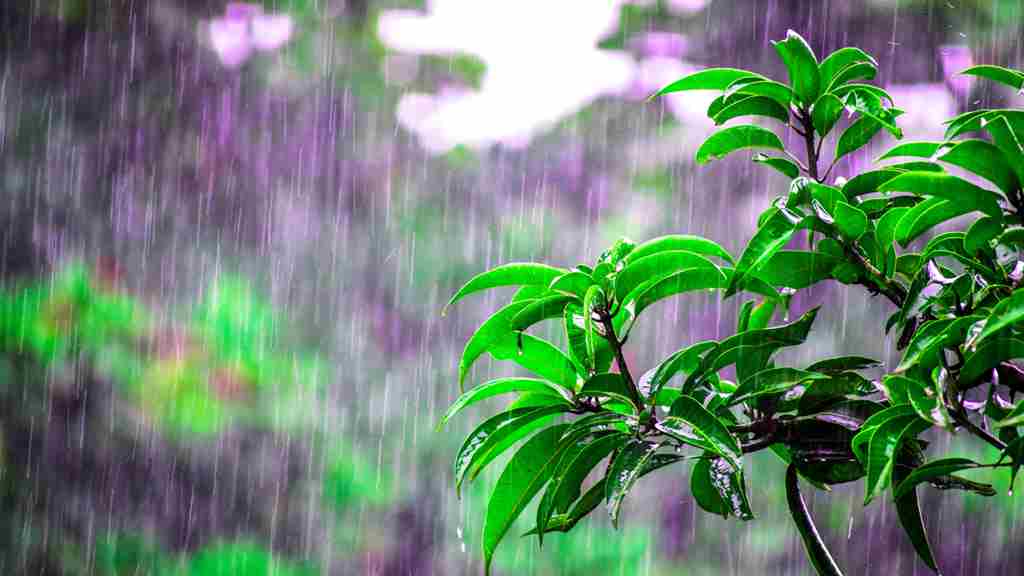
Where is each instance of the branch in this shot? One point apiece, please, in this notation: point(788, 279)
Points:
point(620, 360)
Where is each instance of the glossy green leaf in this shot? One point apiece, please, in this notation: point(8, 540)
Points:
point(1008, 140)
point(799, 59)
point(704, 492)
point(867, 182)
point(527, 471)
point(688, 419)
point(981, 234)
point(857, 135)
point(752, 106)
point(932, 470)
point(768, 240)
point(826, 112)
point(860, 441)
point(985, 160)
point(623, 473)
point(870, 105)
point(762, 314)
point(609, 385)
point(786, 167)
point(843, 363)
point(851, 221)
point(841, 59)
point(814, 545)
point(674, 242)
point(647, 271)
point(729, 140)
point(988, 355)
point(495, 435)
point(502, 386)
point(516, 274)
point(769, 89)
point(574, 283)
point(1014, 418)
point(1006, 76)
point(882, 447)
point(487, 335)
point(539, 310)
point(927, 215)
point(708, 79)
point(1007, 313)
point(681, 282)
point(565, 488)
point(686, 361)
point(856, 71)
point(771, 381)
point(538, 356)
point(909, 512)
point(842, 91)
point(914, 149)
point(594, 298)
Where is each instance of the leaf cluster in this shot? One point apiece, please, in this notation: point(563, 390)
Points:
point(957, 316)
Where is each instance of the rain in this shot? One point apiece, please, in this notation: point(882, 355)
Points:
point(228, 231)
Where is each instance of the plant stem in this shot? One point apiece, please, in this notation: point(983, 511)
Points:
point(620, 360)
point(808, 134)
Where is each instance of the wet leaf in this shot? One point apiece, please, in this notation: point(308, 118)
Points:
point(649, 270)
point(516, 274)
point(826, 112)
point(688, 421)
point(502, 386)
point(1006, 76)
point(609, 385)
point(768, 240)
point(709, 79)
point(882, 448)
point(538, 356)
point(799, 59)
point(841, 59)
point(786, 167)
point(930, 471)
point(909, 513)
point(674, 242)
point(857, 135)
point(729, 140)
point(753, 106)
point(623, 472)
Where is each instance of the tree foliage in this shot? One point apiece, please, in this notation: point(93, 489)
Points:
point(957, 301)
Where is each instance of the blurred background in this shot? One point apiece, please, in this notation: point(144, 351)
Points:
point(227, 231)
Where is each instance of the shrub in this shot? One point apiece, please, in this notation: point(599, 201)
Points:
point(957, 300)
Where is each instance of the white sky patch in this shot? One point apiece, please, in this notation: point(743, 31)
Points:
point(542, 62)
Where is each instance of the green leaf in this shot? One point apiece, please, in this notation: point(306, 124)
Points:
point(492, 331)
point(649, 270)
point(799, 59)
point(860, 442)
point(623, 473)
point(981, 234)
point(786, 167)
point(839, 60)
point(609, 385)
point(843, 363)
point(539, 310)
point(1006, 139)
point(674, 242)
point(868, 182)
point(538, 356)
point(762, 315)
point(709, 79)
point(516, 274)
point(932, 470)
point(985, 160)
point(592, 299)
point(857, 71)
point(686, 360)
point(769, 89)
point(771, 381)
point(927, 215)
point(769, 239)
point(870, 105)
point(914, 149)
point(1007, 313)
point(688, 421)
point(724, 142)
point(574, 324)
point(719, 488)
point(909, 513)
point(1011, 78)
point(574, 283)
point(815, 547)
point(495, 435)
point(1014, 418)
point(842, 91)
point(752, 106)
point(502, 386)
point(857, 135)
point(684, 281)
point(523, 477)
point(826, 112)
point(988, 355)
point(851, 221)
point(932, 337)
point(566, 486)
point(882, 447)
